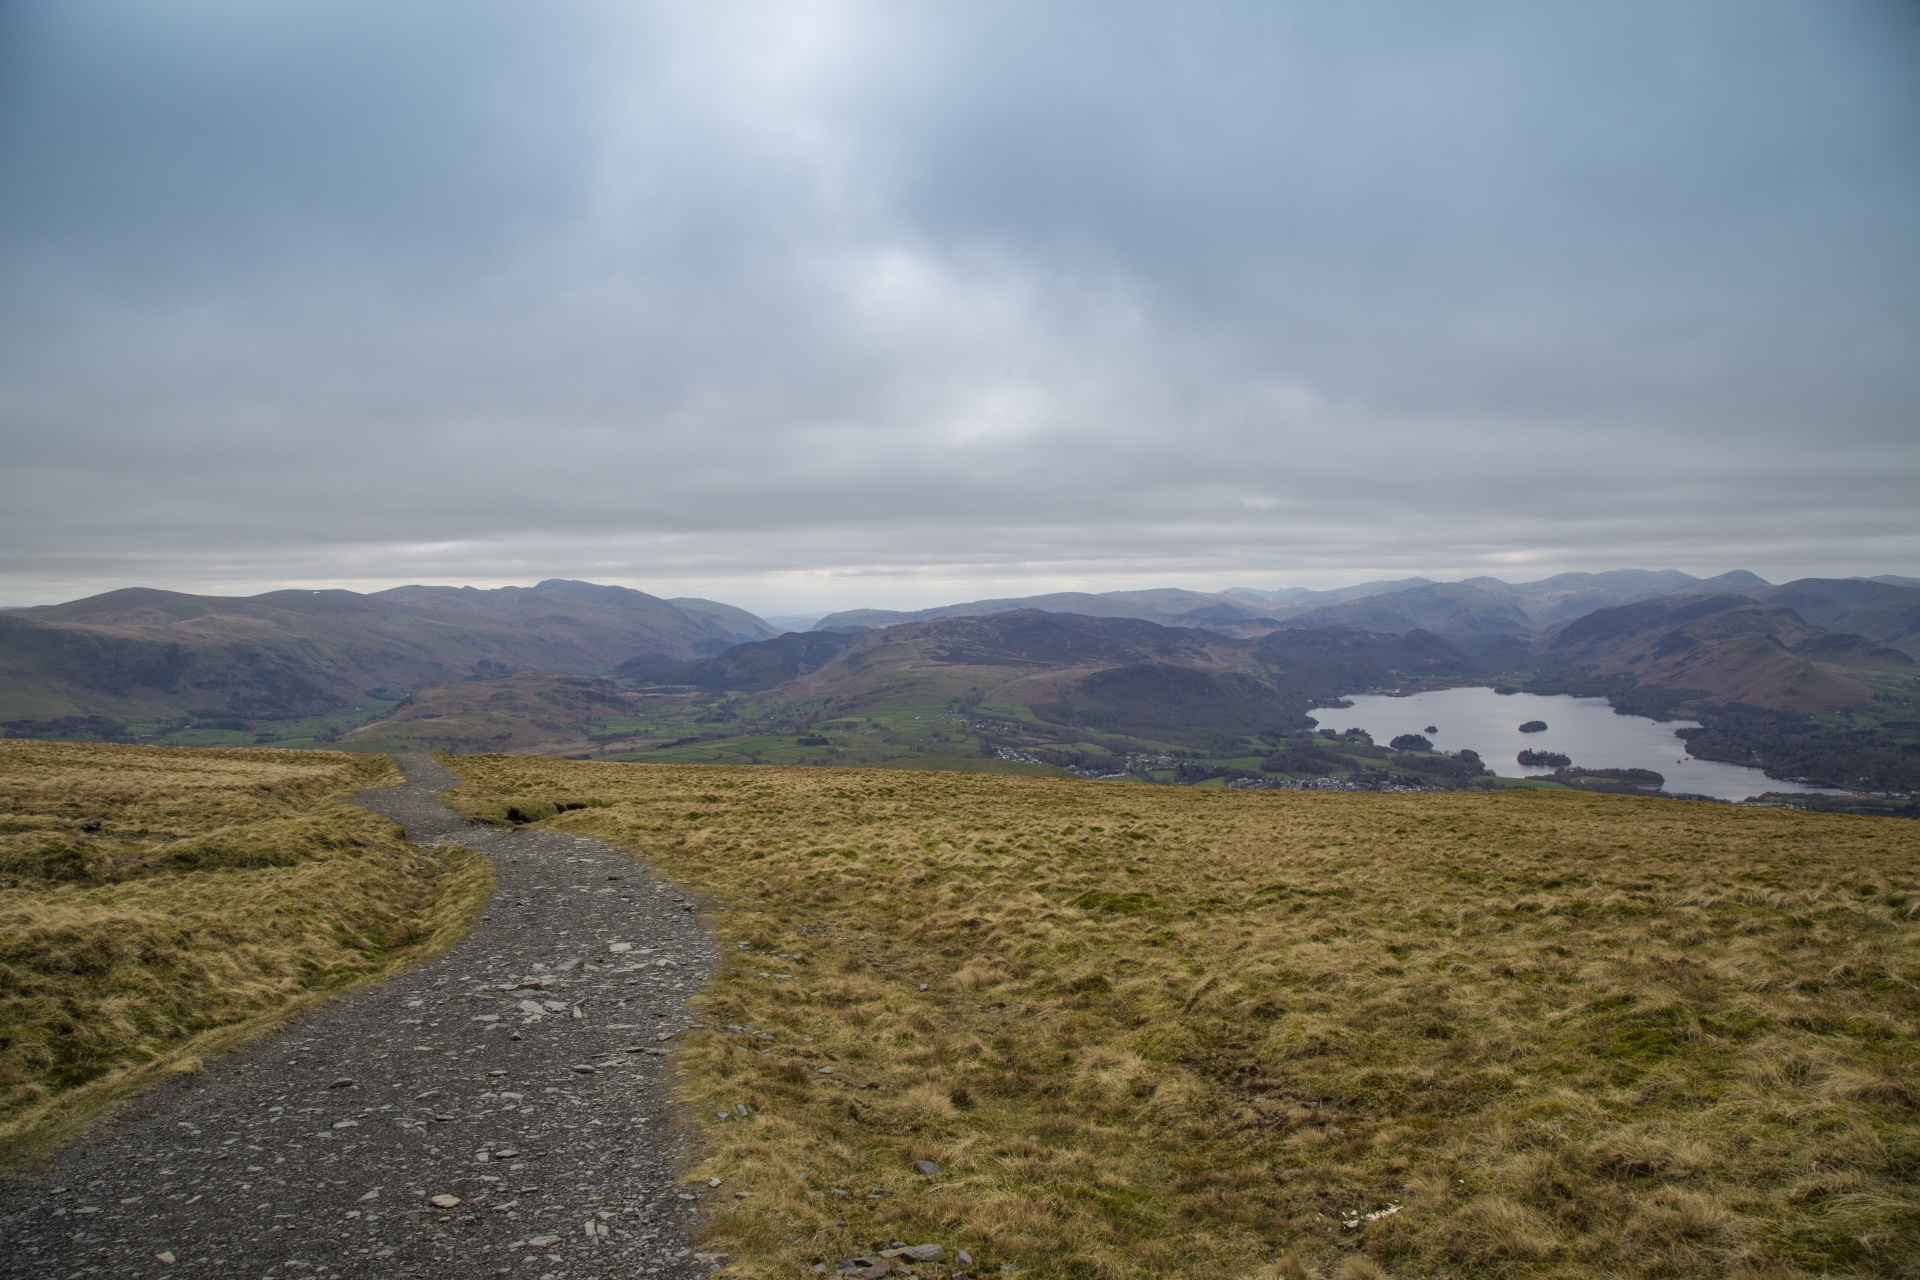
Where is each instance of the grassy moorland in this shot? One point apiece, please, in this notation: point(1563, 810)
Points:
point(1158, 1031)
point(160, 903)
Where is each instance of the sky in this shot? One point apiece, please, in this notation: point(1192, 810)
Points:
point(811, 305)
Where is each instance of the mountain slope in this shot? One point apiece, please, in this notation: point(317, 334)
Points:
point(1120, 675)
point(145, 653)
point(1733, 649)
point(1158, 605)
point(1302, 596)
point(1450, 609)
point(534, 712)
point(1551, 601)
point(726, 622)
point(757, 665)
point(1882, 612)
point(1316, 662)
point(1474, 607)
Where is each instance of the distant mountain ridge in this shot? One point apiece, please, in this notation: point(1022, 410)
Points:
point(1471, 611)
point(1473, 607)
point(1076, 671)
point(143, 652)
point(1731, 648)
point(149, 656)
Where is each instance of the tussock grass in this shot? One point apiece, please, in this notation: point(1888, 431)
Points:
point(161, 903)
point(1172, 1032)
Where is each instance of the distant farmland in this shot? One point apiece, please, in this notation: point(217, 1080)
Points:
point(1151, 1031)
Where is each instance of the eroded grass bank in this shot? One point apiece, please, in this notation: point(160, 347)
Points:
point(158, 903)
point(1172, 1032)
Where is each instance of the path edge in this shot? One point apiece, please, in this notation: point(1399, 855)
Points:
point(39, 1135)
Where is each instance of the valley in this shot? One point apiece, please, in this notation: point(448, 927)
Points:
point(1166, 686)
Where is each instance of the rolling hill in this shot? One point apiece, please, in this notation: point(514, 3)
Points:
point(145, 654)
point(1168, 606)
point(1451, 609)
point(526, 712)
point(1458, 610)
point(1068, 674)
point(1885, 613)
point(1034, 659)
point(1027, 677)
point(570, 668)
point(1730, 648)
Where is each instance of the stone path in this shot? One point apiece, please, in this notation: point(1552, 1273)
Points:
point(501, 1110)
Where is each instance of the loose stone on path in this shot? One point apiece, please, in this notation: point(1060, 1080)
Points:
point(462, 1119)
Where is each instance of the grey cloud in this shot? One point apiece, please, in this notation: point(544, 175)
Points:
point(779, 300)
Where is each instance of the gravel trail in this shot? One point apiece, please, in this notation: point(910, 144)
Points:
point(500, 1110)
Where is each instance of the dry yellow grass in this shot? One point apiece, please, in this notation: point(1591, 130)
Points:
point(160, 903)
point(1171, 1032)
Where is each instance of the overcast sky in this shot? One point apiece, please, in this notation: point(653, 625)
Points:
point(812, 305)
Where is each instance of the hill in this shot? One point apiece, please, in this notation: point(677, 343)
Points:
point(150, 655)
point(1771, 690)
point(1730, 648)
point(1166, 606)
point(1067, 670)
point(1885, 613)
point(757, 665)
point(158, 904)
point(1308, 598)
point(1216, 679)
point(1168, 1032)
point(1450, 609)
point(1459, 610)
point(1032, 688)
point(535, 712)
point(1124, 676)
point(1177, 703)
point(1482, 607)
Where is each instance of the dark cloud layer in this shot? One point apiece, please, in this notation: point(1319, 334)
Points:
point(870, 303)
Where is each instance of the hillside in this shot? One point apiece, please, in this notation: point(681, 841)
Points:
point(1216, 680)
point(1082, 692)
point(157, 904)
point(1167, 606)
point(1450, 609)
point(1165, 1032)
point(1123, 676)
point(977, 692)
point(1884, 613)
point(535, 712)
point(1475, 607)
point(144, 655)
point(1068, 670)
point(1028, 690)
point(758, 665)
point(1309, 598)
point(1730, 648)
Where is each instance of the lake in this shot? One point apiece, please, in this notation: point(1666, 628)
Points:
point(1586, 729)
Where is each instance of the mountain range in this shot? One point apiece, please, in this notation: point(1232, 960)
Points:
point(141, 653)
point(534, 668)
point(1480, 606)
point(1030, 688)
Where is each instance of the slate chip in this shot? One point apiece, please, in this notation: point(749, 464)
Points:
point(362, 1202)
